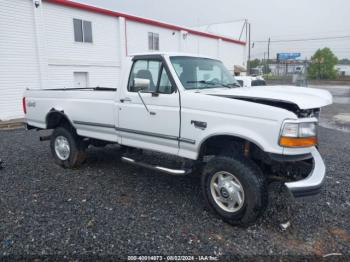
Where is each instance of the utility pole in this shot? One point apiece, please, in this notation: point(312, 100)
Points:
point(268, 56)
point(248, 64)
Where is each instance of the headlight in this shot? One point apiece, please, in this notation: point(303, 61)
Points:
point(298, 134)
point(307, 129)
point(290, 130)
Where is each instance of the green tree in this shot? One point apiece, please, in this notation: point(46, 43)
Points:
point(254, 63)
point(322, 65)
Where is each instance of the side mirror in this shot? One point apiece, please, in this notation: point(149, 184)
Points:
point(141, 84)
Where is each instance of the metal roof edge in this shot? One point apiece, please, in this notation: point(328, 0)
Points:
point(142, 20)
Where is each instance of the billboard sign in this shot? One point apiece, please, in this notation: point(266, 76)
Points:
point(287, 56)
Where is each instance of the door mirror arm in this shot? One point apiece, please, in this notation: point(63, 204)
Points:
point(143, 102)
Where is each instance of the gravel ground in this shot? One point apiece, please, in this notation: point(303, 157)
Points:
point(111, 208)
point(337, 115)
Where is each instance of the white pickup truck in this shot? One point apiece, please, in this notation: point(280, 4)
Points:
point(249, 81)
point(192, 108)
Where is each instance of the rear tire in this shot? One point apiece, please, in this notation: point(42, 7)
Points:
point(67, 148)
point(241, 196)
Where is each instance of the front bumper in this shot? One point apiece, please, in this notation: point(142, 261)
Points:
point(312, 184)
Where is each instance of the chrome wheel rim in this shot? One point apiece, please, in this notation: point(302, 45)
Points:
point(227, 191)
point(62, 147)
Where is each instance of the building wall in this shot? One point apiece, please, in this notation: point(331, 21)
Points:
point(62, 76)
point(137, 37)
point(181, 41)
point(232, 54)
point(19, 67)
point(207, 46)
point(101, 59)
point(190, 43)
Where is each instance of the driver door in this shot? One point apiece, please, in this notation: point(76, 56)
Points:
point(154, 124)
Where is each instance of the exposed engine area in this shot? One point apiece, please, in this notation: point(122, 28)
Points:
point(301, 113)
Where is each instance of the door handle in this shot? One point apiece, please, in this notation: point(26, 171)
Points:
point(125, 99)
point(199, 124)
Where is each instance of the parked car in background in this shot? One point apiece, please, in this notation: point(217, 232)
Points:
point(249, 81)
point(192, 108)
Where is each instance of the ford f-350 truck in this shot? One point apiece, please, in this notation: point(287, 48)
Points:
point(192, 108)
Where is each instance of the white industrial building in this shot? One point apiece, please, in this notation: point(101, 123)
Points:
point(59, 43)
point(343, 70)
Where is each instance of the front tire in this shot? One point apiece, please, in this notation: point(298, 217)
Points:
point(67, 148)
point(235, 189)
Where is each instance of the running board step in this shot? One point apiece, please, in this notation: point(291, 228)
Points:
point(176, 172)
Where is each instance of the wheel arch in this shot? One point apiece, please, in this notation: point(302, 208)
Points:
point(221, 139)
point(55, 118)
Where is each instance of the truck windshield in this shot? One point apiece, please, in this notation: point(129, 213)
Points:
point(202, 73)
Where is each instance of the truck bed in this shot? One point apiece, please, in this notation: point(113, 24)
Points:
point(81, 104)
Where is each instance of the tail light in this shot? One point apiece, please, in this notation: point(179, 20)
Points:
point(24, 105)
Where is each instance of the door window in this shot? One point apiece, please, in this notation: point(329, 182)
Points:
point(145, 70)
point(165, 86)
point(152, 71)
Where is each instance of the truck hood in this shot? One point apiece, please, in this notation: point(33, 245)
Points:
point(303, 98)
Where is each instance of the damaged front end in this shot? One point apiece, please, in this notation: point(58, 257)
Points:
point(292, 107)
point(303, 175)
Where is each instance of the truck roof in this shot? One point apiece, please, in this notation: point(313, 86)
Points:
point(172, 54)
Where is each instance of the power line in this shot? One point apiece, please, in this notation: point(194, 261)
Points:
point(313, 34)
point(244, 25)
point(303, 39)
point(328, 43)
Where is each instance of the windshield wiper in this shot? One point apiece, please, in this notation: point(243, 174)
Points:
point(211, 83)
point(235, 84)
point(202, 82)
